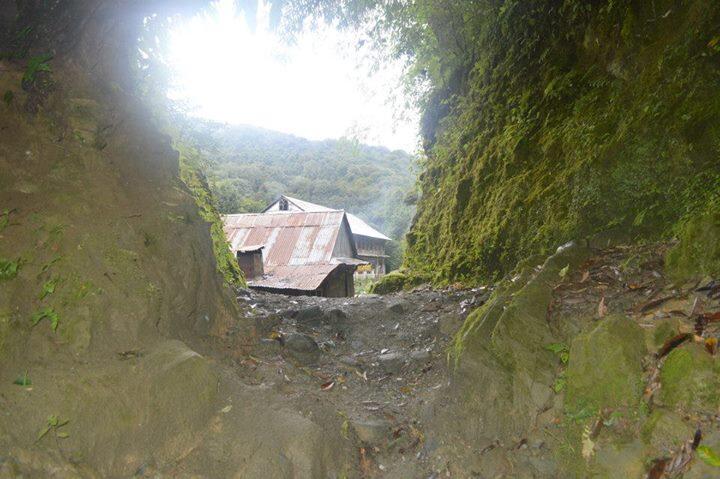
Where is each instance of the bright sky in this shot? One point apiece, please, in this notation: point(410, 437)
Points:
point(319, 87)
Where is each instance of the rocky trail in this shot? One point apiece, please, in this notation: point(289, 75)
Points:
point(374, 371)
point(362, 387)
point(374, 362)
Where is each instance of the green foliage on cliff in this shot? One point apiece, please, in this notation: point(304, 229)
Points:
point(698, 251)
point(550, 121)
point(193, 177)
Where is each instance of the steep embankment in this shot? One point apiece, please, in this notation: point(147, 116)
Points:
point(109, 287)
point(574, 118)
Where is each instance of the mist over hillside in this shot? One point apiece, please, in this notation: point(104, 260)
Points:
point(248, 167)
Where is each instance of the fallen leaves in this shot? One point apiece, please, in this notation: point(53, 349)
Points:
point(366, 463)
point(327, 386)
point(602, 308)
point(708, 456)
point(711, 345)
point(673, 343)
point(655, 303)
point(679, 463)
point(658, 468)
point(588, 445)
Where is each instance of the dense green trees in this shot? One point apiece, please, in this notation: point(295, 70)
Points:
point(249, 167)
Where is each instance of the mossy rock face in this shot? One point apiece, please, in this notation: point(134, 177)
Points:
point(665, 430)
point(690, 378)
point(664, 330)
point(504, 373)
point(605, 368)
point(619, 460)
point(391, 283)
point(565, 124)
point(698, 251)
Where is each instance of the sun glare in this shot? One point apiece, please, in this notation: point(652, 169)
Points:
point(321, 86)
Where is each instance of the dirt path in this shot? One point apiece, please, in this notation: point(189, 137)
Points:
point(375, 362)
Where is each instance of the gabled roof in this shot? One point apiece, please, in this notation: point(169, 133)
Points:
point(297, 245)
point(357, 226)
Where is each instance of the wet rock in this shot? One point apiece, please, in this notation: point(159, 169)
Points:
point(349, 361)
point(301, 347)
point(312, 316)
point(398, 307)
point(371, 431)
point(339, 323)
point(421, 355)
point(289, 313)
point(391, 362)
point(336, 315)
point(268, 322)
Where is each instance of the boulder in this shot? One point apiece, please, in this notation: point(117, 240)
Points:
point(665, 431)
point(372, 432)
point(391, 362)
point(301, 347)
point(605, 367)
point(690, 378)
point(311, 316)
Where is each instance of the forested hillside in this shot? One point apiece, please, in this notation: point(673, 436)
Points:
point(248, 167)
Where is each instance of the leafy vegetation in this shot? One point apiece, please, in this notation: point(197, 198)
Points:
point(40, 63)
point(54, 423)
point(48, 313)
point(709, 456)
point(549, 121)
point(23, 380)
point(193, 177)
point(8, 269)
point(567, 125)
point(247, 168)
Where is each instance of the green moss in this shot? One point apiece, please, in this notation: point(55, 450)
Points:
point(573, 121)
point(665, 431)
point(390, 283)
point(690, 378)
point(516, 313)
point(605, 368)
point(665, 330)
point(194, 179)
point(698, 252)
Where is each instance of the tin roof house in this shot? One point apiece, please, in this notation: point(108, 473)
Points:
point(371, 244)
point(295, 252)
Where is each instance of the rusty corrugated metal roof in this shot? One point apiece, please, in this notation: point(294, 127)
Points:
point(305, 277)
point(357, 225)
point(298, 246)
